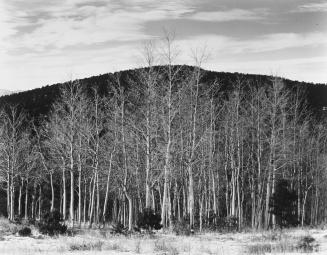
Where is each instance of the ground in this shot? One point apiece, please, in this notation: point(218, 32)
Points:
point(101, 243)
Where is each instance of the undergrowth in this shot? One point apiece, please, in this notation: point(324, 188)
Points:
point(86, 246)
point(162, 247)
point(305, 244)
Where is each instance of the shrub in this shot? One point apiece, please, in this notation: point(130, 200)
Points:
point(182, 227)
point(25, 231)
point(149, 220)
point(31, 221)
point(17, 220)
point(231, 223)
point(307, 244)
point(52, 224)
point(86, 246)
point(118, 228)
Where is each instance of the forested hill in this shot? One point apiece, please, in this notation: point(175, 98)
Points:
point(37, 102)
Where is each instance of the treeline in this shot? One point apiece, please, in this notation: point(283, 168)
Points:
point(170, 142)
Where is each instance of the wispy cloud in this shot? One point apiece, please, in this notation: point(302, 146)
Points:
point(229, 15)
point(87, 37)
point(80, 21)
point(279, 41)
point(258, 44)
point(312, 7)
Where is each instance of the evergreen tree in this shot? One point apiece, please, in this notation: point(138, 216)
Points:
point(283, 205)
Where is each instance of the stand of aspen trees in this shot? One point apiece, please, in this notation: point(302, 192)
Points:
point(167, 141)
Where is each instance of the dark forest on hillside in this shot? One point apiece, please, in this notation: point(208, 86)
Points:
point(38, 102)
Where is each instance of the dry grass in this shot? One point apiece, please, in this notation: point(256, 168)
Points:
point(263, 248)
point(7, 227)
point(86, 246)
point(164, 247)
point(89, 242)
point(282, 243)
point(114, 246)
point(138, 246)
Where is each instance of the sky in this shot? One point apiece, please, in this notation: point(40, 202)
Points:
point(49, 41)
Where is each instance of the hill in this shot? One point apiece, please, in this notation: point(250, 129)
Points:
point(37, 102)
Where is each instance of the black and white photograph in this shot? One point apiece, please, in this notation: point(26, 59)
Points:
point(173, 127)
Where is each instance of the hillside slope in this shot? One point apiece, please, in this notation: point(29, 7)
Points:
point(37, 102)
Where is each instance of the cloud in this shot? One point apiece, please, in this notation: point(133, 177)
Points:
point(87, 37)
point(83, 21)
point(279, 41)
point(313, 7)
point(258, 44)
point(79, 36)
point(229, 15)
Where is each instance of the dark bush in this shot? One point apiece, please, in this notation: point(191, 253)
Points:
point(307, 244)
point(211, 222)
point(231, 223)
point(118, 228)
point(17, 220)
point(86, 246)
point(283, 205)
point(25, 231)
point(149, 220)
point(220, 224)
point(52, 224)
point(31, 221)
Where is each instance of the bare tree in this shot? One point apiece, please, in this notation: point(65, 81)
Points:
point(12, 146)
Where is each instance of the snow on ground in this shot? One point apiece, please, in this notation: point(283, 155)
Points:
point(93, 242)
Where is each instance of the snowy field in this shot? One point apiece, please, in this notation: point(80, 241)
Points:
point(96, 242)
